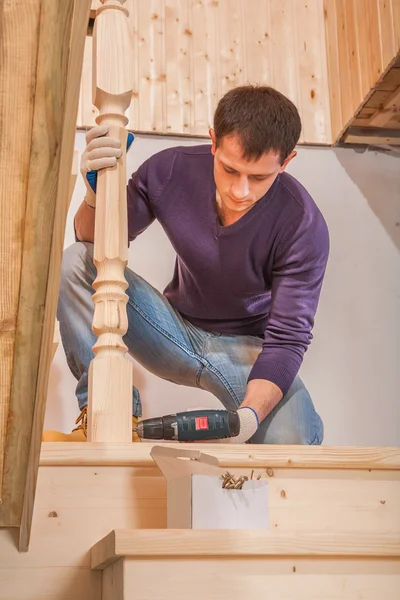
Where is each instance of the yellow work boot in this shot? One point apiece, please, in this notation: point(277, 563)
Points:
point(79, 434)
point(135, 437)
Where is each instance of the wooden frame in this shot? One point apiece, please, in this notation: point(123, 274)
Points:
point(57, 28)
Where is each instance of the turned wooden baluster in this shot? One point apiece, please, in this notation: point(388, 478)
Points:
point(110, 373)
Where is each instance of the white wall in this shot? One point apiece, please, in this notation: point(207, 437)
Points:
point(352, 367)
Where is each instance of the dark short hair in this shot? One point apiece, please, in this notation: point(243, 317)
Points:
point(263, 118)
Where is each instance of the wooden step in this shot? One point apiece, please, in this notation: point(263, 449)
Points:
point(198, 564)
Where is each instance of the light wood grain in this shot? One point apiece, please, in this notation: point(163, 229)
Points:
point(50, 202)
point(62, 583)
point(110, 372)
point(112, 583)
point(384, 114)
point(38, 282)
point(319, 457)
point(192, 542)
point(187, 53)
point(279, 579)
point(17, 80)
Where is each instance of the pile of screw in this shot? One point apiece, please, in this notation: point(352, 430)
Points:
point(229, 482)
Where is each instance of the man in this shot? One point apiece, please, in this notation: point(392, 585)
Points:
point(252, 247)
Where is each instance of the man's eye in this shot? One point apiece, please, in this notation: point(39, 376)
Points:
point(263, 178)
point(230, 171)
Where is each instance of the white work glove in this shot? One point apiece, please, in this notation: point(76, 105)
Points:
point(101, 151)
point(248, 426)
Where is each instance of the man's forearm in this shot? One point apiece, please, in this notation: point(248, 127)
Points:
point(262, 396)
point(84, 223)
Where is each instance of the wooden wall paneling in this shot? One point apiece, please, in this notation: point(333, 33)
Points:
point(354, 54)
point(371, 14)
point(151, 65)
point(334, 80)
point(179, 66)
point(396, 23)
point(345, 75)
point(231, 57)
point(386, 32)
point(283, 47)
point(205, 64)
point(17, 81)
point(257, 41)
point(294, 578)
point(363, 42)
point(311, 56)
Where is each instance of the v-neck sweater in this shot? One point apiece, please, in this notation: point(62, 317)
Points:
point(260, 276)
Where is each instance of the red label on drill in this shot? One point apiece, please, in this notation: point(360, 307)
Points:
point(201, 423)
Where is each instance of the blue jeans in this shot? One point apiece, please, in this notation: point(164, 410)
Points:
point(172, 348)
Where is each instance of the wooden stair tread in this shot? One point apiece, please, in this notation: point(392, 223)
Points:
point(142, 543)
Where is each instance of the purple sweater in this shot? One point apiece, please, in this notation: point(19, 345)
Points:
point(260, 276)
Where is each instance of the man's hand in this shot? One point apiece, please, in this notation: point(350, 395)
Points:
point(101, 152)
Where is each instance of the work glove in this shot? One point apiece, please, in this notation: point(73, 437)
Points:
point(101, 152)
point(248, 425)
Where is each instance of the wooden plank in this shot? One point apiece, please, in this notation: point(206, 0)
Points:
point(256, 578)
point(377, 99)
point(346, 96)
point(386, 32)
point(283, 46)
point(313, 85)
point(318, 457)
point(390, 107)
point(239, 543)
point(370, 9)
point(151, 66)
point(396, 25)
point(179, 66)
point(135, 497)
point(47, 201)
point(257, 27)
point(112, 582)
point(352, 29)
point(205, 64)
point(231, 57)
point(372, 140)
point(363, 39)
point(44, 166)
point(17, 80)
point(50, 584)
point(334, 80)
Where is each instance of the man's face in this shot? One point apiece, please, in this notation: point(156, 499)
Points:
point(241, 183)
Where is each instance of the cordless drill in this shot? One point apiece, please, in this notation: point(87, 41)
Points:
point(191, 426)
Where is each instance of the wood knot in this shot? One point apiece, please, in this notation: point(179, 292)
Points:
point(283, 494)
point(312, 94)
point(270, 472)
point(53, 514)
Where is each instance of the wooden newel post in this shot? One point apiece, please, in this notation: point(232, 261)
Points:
point(110, 373)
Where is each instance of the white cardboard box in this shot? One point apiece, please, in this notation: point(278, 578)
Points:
point(196, 499)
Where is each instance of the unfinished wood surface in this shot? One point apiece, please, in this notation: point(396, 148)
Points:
point(240, 543)
point(293, 578)
point(362, 40)
point(81, 505)
point(248, 456)
point(187, 53)
point(35, 180)
point(63, 583)
point(384, 114)
point(110, 372)
point(66, 169)
point(17, 79)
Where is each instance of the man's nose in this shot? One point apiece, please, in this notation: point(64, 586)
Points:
point(240, 188)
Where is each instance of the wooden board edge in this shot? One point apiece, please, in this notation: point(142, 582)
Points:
point(151, 543)
point(228, 455)
point(67, 164)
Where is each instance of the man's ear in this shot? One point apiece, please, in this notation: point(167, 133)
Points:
point(287, 161)
point(214, 140)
